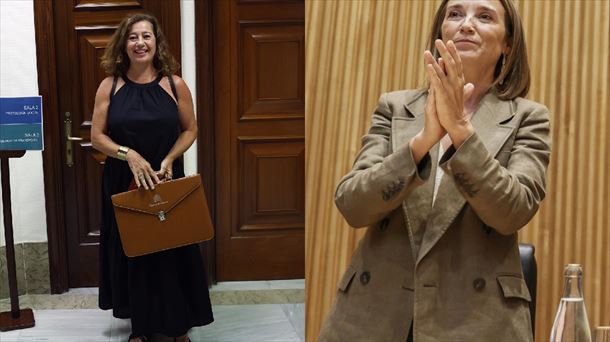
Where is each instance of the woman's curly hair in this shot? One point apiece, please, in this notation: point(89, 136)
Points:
point(115, 60)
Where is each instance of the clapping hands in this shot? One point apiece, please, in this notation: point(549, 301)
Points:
point(448, 92)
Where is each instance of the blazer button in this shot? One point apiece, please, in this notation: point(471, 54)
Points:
point(384, 224)
point(479, 284)
point(365, 277)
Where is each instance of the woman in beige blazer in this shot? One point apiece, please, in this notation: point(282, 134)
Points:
point(445, 178)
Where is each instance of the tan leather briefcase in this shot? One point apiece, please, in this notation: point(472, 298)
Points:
point(174, 214)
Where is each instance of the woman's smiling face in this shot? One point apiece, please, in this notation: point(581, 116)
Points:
point(141, 43)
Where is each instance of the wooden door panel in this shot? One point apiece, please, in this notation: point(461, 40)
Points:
point(96, 4)
point(277, 254)
point(86, 49)
point(272, 185)
point(89, 203)
point(272, 69)
point(91, 46)
point(83, 237)
point(279, 128)
point(259, 120)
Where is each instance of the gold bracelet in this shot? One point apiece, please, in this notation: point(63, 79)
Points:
point(122, 152)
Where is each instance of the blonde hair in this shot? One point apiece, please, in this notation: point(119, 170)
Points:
point(514, 79)
point(115, 60)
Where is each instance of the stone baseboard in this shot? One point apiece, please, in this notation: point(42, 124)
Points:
point(87, 298)
point(32, 266)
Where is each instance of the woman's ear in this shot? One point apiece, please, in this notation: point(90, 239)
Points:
point(507, 46)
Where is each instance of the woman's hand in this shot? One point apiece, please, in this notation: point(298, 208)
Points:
point(143, 173)
point(451, 92)
point(166, 170)
point(433, 131)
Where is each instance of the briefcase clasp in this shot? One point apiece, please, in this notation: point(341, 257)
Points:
point(161, 216)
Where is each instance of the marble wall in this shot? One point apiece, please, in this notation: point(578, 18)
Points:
point(32, 264)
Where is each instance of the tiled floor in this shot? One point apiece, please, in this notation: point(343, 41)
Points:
point(235, 323)
point(247, 323)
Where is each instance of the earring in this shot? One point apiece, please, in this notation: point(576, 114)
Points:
point(502, 68)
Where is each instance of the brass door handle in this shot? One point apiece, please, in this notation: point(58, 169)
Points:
point(69, 139)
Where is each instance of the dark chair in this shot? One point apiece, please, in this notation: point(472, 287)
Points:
point(530, 273)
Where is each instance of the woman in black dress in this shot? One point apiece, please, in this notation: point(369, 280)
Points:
point(144, 121)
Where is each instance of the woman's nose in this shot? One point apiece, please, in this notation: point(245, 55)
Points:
point(467, 25)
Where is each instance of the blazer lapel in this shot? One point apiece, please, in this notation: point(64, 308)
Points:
point(417, 205)
point(488, 123)
point(405, 127)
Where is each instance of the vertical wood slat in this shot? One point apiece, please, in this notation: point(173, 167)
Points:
point(358, 49)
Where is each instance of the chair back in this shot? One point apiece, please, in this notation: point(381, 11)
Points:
point(530, 274)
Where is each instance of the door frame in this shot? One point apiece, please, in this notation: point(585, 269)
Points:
point(52, 155)
point(206, 137)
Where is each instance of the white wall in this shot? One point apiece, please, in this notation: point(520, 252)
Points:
point(19, 77)
point(189, 71)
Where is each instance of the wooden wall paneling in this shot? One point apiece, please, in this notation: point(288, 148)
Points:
point(570, 75)
point(603, 235)
point(357, 50)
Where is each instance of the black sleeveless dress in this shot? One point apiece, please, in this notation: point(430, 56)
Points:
point(163, 292)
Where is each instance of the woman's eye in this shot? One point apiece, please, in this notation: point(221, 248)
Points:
point(485, 16)
point(133, 38)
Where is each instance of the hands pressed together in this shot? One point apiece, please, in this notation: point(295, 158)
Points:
point(445, 113)
point(144, 174)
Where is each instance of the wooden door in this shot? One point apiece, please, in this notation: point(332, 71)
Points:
point(259, 95)
point(82, 30)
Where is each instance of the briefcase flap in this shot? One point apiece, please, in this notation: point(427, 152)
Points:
point(163, 199)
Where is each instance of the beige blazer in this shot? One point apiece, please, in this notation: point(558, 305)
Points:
point(452, 269)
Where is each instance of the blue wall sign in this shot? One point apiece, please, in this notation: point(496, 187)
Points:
point(21, 123)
